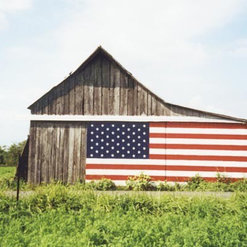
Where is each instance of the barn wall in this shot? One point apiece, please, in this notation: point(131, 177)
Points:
point(57, 152)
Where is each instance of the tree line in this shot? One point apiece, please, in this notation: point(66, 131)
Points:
point(9, 155)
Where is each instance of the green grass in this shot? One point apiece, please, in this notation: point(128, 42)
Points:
point(7, 171)
point(57, 215)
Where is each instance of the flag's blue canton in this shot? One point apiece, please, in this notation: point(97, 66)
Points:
point(118, 140)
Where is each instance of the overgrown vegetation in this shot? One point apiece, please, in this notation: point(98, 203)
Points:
point(9, 155)
point(59, 215)
point(137, 183)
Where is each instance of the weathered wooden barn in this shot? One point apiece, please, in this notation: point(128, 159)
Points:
point(102, 95)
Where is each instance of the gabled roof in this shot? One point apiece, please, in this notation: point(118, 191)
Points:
point(103, 52)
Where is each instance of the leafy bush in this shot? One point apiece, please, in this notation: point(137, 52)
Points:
point(194, 182)
point(102, 184)
point(140, 183)
point(164, 186)
point(222, 178)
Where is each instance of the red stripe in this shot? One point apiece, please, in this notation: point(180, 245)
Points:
point(198, 136)
point(166, 168)
point(197, 157)
point(198, 146)
point(200, 125)
point(154, 178)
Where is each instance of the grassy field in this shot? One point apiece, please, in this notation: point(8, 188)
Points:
point(63, 215)
point(7, 171)
point(58, 215)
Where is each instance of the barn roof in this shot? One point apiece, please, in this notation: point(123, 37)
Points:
point(101, 51)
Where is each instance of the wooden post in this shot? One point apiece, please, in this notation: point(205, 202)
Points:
point(18, 180)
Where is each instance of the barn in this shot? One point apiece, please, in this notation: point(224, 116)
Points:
point(102, 122)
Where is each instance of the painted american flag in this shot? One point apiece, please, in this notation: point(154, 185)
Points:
point(171, 151)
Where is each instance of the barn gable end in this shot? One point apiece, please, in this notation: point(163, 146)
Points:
point(102, 86)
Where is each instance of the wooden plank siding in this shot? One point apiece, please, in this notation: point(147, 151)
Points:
point(103, 88)
point(57, 152)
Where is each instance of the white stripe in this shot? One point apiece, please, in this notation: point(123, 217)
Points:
point(198, 152)
point(167, 162)
point(87, 118)
point(117, 182)
point(197, 141)
point(124, 172)
point(123, 182)
point(167, 173)
point(205, 174)
point(219, 131)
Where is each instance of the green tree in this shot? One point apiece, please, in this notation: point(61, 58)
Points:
point(13, 153)
point(3, 154)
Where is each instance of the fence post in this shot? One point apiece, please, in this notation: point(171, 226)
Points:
point(18, 180)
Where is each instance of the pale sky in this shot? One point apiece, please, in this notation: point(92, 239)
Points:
point(189, 52)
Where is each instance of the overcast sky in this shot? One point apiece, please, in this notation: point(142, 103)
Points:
point(189, 52)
